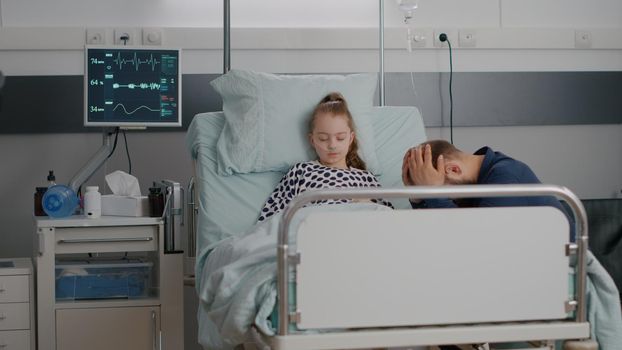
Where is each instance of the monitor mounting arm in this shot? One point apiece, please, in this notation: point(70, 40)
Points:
point(96, 161)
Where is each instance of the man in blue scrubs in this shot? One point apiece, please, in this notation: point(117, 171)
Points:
point(438, 163)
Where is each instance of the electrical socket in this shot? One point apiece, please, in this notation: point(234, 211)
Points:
point(95, 36)
point(152, 36)
point(582, 39)
point(467, 38)
point(418, 38)
point(451, 35)
point(121, 32)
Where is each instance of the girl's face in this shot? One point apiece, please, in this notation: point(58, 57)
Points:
point(331, 137)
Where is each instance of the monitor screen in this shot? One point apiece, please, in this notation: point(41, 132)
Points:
point(132, 87)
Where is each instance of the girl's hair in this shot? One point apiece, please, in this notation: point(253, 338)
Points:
point(335, 104)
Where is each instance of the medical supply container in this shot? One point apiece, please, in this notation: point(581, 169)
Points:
point(92, 202)
point(51, 178)
point(39, 192)
point(156, 202)
point(60, 201)
point(119, 279)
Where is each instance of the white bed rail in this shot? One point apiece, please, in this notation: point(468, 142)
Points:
point(462, 191)
point(192, 209)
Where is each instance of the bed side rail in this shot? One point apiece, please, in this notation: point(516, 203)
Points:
point(191, 234)
point(422, 192)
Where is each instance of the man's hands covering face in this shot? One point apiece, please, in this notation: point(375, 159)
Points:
point(418, 170)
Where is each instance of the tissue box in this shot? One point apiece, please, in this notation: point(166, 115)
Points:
point(125, 205)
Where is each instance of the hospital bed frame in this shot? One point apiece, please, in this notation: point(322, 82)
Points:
point(357, 337)
point(575, 331)
point(423, 335)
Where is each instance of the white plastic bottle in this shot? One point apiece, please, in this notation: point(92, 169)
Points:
point(92, 202)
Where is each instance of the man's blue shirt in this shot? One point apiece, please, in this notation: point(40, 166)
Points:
point(497, 169)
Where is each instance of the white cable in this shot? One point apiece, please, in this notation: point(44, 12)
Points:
point(500, 13)
point(105, 189)
point(412, 83)
point(408, 7)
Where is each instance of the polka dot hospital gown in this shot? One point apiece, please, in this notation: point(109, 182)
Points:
point(313, 175)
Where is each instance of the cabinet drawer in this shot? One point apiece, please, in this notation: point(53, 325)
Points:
point(14, 289)
point(106, 239)
point(14, 316)
point(127, 328)
point(14, 340)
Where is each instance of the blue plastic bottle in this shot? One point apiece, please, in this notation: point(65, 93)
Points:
point(60, 201)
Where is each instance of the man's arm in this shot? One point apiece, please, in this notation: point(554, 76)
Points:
point(434, 203)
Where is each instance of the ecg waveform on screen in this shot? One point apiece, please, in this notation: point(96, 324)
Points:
point(147, 86)
point(136, 61)
point(122, 106)
point(137, 86)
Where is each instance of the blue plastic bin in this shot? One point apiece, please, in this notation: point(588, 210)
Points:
point(110, 280)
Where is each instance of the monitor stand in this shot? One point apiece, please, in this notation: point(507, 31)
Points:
point(96, 161)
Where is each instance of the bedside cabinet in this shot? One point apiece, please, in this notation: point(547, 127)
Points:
point(82, 265)
point(17, 321)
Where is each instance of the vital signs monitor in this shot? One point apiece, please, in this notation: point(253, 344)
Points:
point(132, 87)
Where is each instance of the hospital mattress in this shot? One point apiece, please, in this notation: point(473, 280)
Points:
point(395, 130)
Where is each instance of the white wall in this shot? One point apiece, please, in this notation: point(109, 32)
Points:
point(316, 13)
point(47, 37)
point(561, 13)
point(245, 13)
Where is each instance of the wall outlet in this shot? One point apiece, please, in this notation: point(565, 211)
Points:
point(451, 35)
point(418, 38)
point(120, 33)
point(152, 36)
point(582, 39)
point(95, 36)
point(467, 38)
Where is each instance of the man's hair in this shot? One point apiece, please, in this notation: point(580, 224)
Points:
point(443, 147)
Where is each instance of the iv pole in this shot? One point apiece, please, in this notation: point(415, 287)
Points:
point(226, 36)
point(381, 52)
point(227, 43)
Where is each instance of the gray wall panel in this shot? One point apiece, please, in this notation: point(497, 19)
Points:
point(42, 104)
point(511, 99)
point(53, 104)
point(198, 96)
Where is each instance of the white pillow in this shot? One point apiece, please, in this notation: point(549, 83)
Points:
point(267, 118)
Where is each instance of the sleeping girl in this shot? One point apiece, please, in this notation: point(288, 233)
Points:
point(332, 135)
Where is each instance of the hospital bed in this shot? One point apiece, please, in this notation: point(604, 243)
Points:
point(401, 278)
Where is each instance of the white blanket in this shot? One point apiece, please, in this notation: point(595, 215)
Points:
point(237, 287)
